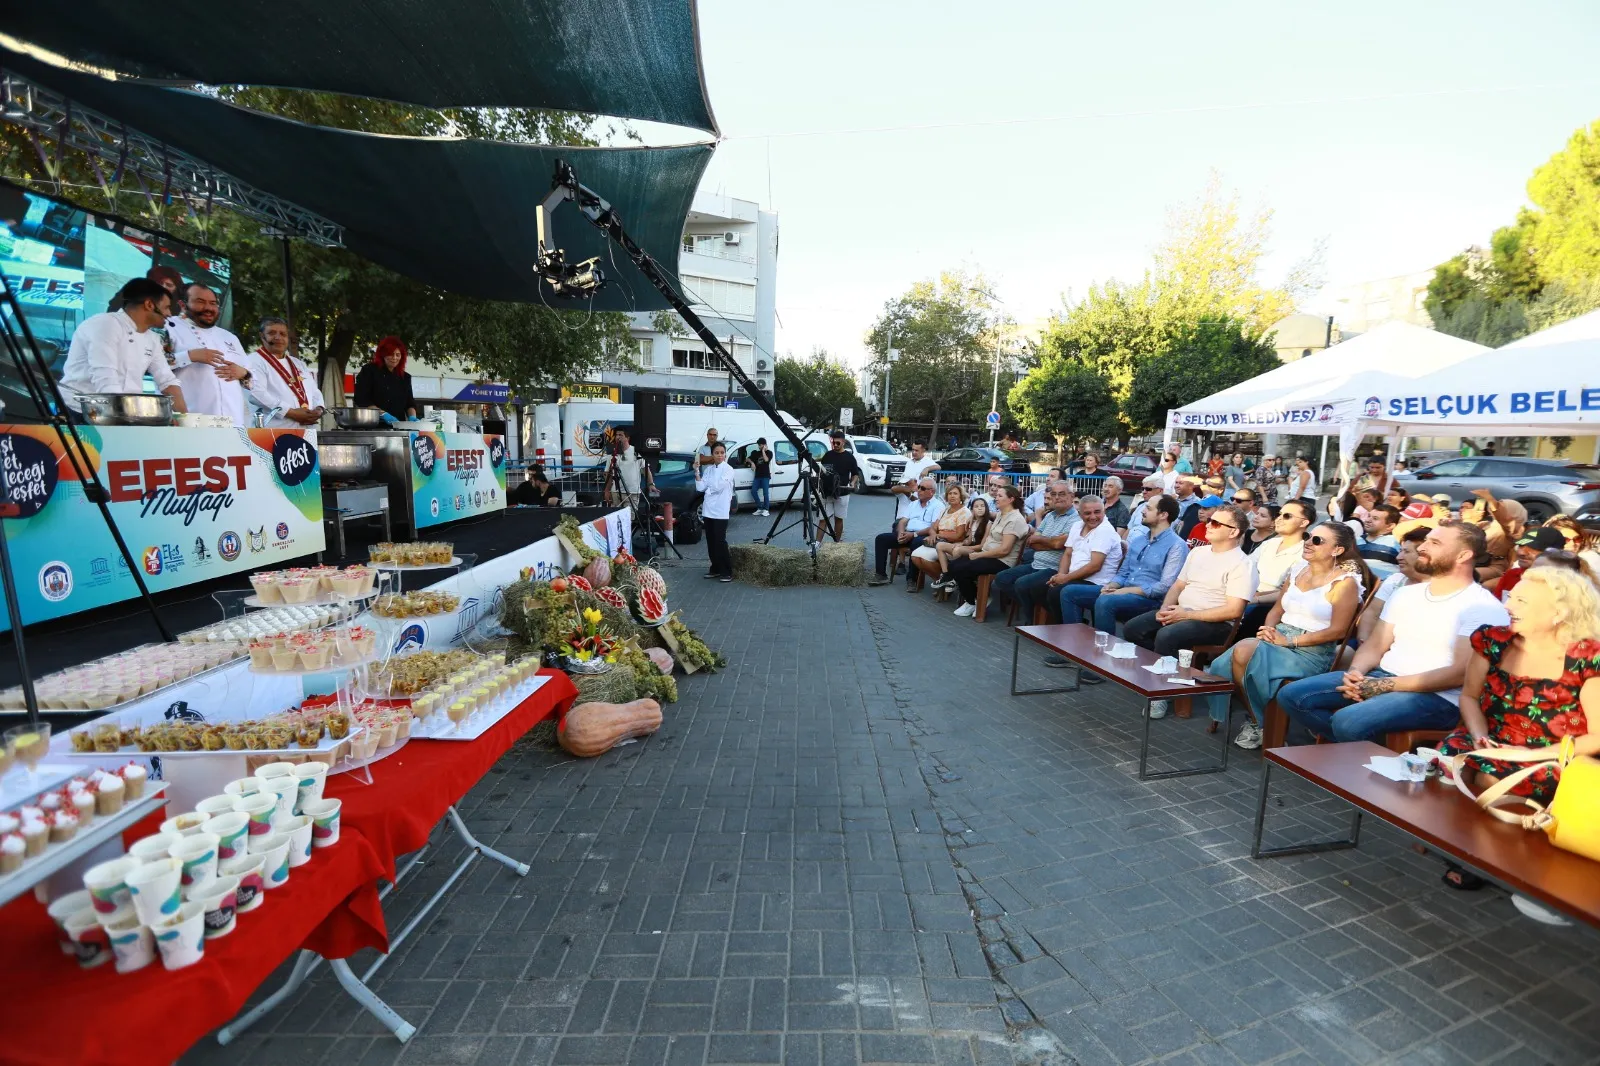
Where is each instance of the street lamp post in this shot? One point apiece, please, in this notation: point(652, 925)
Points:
point(889, 356)
point(994, 392)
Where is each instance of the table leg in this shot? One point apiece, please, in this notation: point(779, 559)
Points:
point(1258, 852)
point(1144, 756)
point(520, 868)
point(368, 999)
point(1016, 647)
point(304, 963)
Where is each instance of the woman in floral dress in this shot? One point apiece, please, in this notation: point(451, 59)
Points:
point(1534, 682)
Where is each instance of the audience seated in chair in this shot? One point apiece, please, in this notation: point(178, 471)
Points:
point(1025, 582)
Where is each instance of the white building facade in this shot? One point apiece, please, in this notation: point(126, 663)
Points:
point(728, 268)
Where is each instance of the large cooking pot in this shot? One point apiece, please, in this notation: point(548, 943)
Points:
point(345, 460)
point(127, 409)
point(357, 417)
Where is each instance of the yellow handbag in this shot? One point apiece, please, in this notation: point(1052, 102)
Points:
point(1571, 821)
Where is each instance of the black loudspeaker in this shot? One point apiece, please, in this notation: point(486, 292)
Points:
point(650, 421)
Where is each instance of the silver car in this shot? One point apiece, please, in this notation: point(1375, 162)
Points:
point(1544, 486)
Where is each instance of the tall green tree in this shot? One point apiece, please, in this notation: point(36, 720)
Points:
point(813, 389)
point(1566, 223)
point(1206, 357)
point(1065, 398)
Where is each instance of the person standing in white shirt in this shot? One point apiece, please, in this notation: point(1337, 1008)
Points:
point(714, 478)
point(208, 361)
point(281, 385)
point(112, 352)
point(919, 466)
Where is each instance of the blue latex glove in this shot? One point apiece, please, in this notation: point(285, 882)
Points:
point(387, 417)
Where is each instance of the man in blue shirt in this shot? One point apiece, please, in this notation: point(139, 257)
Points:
point(919, 515)
point(1027, 580)
point(1154, 557)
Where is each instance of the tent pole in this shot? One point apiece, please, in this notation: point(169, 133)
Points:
point(1322, 461)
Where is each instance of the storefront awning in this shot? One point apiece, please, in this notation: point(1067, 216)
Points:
point(455, 214)
point(631, 58)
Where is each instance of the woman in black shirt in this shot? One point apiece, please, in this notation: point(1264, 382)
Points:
point(384, 383)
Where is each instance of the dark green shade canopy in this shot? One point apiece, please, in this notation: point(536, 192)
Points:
point(631, 58)
point(456, 214)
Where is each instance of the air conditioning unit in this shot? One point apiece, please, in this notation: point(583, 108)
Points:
point(730, 237)
point(761, 364)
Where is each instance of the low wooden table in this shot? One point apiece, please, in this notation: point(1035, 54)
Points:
point(1075, 641)
point(1437, 814)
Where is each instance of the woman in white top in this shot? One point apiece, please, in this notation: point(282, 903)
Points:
point(1303, 631)
point(1001, 546)
point(1302, 480)
point(715, 479)
point(1274, 558)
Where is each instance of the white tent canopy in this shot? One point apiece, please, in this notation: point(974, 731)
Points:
point(1545, 383)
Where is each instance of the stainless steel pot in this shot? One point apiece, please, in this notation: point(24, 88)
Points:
point(345, 460)
point(127, 409)
point(357, 417)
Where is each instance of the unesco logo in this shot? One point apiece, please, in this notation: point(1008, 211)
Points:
point(229, 546)
point(293, 458)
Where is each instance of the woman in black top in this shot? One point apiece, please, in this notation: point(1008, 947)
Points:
point(384, 383)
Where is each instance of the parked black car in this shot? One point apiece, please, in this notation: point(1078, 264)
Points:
point(978, 459)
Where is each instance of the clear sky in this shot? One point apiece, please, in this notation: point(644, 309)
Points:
point(1400, 131)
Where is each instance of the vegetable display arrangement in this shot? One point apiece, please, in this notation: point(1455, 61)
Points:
point(591, 640)
point(691, 649)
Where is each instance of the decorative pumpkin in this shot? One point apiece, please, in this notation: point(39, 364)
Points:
point(591, 729)
point(598, 572)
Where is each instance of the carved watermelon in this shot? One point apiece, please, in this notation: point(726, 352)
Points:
point(612, 597)
point(649, 578)
point(652, 607)
point(578, 581)
point(598, 572)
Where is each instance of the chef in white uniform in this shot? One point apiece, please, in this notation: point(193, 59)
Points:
point(208, 361)
point(112, 352)
point(281, 385)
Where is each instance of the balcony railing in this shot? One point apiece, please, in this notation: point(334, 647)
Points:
point(719, 250)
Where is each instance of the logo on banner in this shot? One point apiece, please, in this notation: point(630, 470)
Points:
point(202, 554)
point(282, 530)
point(258, 539)
point(423, 454)
point(414, 635)
point(1373, 407)
point(1176, 418)
point(433, 506)
point(477, 499)
point(294, 458)
point(100, 566)
point(1326, 414)
point(229, 546)
point(55, 581)
point(31, 472)
point(461, 502)
point(497, 452)
point(151, 561)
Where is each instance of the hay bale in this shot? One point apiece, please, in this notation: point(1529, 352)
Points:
point(616, 685)
point(774, 567)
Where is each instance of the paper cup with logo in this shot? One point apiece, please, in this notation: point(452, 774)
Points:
point(221, 898)
point(243, 786)
point(90, 942)
point(325, 818)
point(212, 806)
point(247, 868)
point(181, 937)
point(157, 890)
point(184, 824)
point(285, 790)
point(65, 907)
point(232, 830)
point(274, 852)
point(198, 853)
point(132, 943)
point(108, 883)
point(153, 847)
point(313, 775)
point(260, 807)
point(298, 830)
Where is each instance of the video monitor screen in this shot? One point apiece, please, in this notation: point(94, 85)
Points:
point(65, 264)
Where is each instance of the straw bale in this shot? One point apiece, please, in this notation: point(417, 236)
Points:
point(775, 567)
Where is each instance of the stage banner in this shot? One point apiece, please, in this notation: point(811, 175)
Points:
point(456, 475)
point(192, 504)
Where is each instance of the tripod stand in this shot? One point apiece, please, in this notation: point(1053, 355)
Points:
point(646, 514)
point(810, 507)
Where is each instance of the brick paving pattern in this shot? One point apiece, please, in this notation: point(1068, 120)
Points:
point(855, 846)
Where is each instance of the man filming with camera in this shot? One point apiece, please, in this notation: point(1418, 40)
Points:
point(624, 467)
point(840, 476)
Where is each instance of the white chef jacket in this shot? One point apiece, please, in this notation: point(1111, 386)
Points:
point(716, 481)
point(273, 394)
point(203, 391)
point(109, 354)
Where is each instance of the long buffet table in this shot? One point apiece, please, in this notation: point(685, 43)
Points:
point(51, 1011)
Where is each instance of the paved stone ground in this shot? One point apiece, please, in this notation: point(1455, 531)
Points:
point(855, 846)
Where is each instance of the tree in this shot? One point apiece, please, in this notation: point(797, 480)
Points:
point(947, 334)
point(1065, 398)
point(1208, 357)
point(1566, 226)
point(813, 389)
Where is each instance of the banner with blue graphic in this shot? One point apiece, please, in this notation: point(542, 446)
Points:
point(192, 504)
point(456, 475)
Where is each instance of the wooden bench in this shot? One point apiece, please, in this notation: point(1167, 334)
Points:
point(1434, 812)
point(1074, 641)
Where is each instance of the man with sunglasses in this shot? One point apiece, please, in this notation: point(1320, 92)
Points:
point(1212, 590)
point(1149, 491)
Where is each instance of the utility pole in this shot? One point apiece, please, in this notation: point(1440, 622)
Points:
point(994, 393)
point(889, 356)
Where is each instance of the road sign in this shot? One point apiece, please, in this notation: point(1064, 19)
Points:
point(847, 416)
point(883, 420)
point(993, 419)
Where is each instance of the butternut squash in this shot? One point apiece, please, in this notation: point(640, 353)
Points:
point(591, 729)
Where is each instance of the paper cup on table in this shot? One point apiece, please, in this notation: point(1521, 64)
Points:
point(247, 868)
point(313, 775)
point(132, 943)
point(157, 890)
point(260, 808)
point(184, 824)
point(243, 786)
point(285, 790)
point(298, 830)
point(274, 852)
point(153, 847)
point(90, 942)
point(220, 897)
point(181, 938)
point(212, 806)
point(1185, 658)
point(230, 830)
point(198, 853)
point(277, 769)
point(65, 907)
point(324, 815)
point(108, 883)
